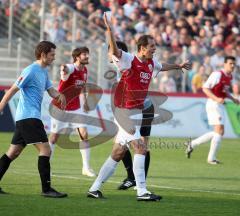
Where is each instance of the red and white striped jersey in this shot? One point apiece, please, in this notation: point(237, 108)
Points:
point(71, 86)
point(219, 83)
point(133, 86)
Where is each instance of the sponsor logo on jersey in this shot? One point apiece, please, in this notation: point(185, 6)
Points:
point(145, 75)
point(79, 82)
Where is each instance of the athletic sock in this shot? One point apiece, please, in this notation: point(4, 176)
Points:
point(127, 161)
point(52, 146)
point(105, 172)
point(215, 144)
point(85, 152)
point(4, 164)
point(202, 139)
point(147, 162)
point(138, 169)
point(44, 171)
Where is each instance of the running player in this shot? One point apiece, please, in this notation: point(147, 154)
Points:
point(217, 90)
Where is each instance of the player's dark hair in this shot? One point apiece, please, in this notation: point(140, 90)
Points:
point(121, 45)
point(44, 47)
point(143, 41)
point(229, 58)
point(76, 52)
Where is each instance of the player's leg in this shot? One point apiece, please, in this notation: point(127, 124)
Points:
point(198, 141)
point(85, 152)
point(107, 170)
point(143, 194)
point(128, 164)
point(56, 126)
point(147, 156)
point(13, 152)
point(145, 131)
point(215, 114)
point(44, 169)
point(52, 142)
point(33, 133)
point(215, 144)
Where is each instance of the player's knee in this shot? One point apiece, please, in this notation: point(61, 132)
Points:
point(140, 148)
point(142, 151)
point(118, 154)
point(53, 138)
point(220, 130)
point(45, 150)
point(13, 154)
point(84, 136)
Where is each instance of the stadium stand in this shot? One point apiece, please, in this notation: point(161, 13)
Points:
point(202, 31)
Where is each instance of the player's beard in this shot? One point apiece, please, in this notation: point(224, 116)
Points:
point(85, 62)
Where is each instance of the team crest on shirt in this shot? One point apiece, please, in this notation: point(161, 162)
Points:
point(150, 67)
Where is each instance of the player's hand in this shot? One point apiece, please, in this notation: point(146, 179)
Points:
point(186, 65)
point(61, 99)
point(105, 19)
point(220, 100)
point(64, 69)
point(236, 101)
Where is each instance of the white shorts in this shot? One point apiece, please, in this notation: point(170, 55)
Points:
point(57, 125)
point(215, 112)
point(123, 137)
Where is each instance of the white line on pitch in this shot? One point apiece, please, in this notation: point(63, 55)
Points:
point(150, 185)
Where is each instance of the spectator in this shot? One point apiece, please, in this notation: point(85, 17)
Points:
point(197, 80)
point(217, 60)
point(167, 83)
point(129, 7)
point(56, 33)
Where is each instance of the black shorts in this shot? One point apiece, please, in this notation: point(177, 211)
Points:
point(29, 131)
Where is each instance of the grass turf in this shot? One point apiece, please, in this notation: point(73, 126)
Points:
point(188, 186)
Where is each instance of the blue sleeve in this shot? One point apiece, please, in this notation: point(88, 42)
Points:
point(48, 83)
point(24, 78)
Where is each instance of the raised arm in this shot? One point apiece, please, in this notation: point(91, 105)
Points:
point(8, 95)
point(112, 42)
point(166, 66)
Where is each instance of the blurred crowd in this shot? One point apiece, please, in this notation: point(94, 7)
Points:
point(203, 31)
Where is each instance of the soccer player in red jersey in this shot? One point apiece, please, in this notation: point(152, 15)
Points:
point(217, 90)
point(137, 71)
point(72, 83)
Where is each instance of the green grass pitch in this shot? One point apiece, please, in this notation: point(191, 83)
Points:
point(188, 186)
